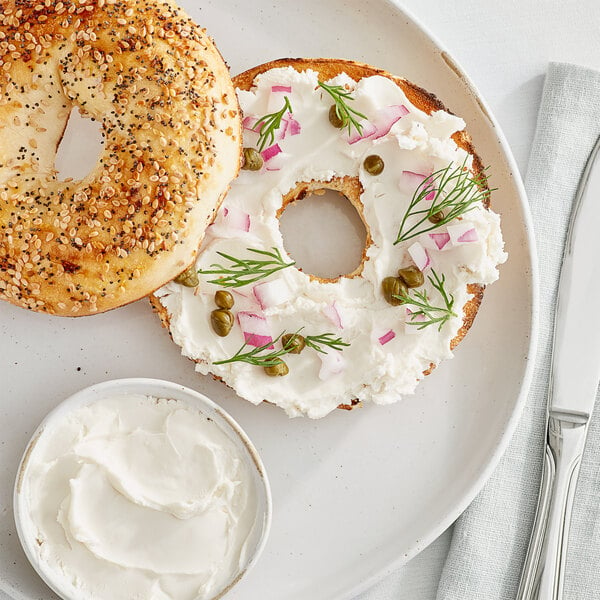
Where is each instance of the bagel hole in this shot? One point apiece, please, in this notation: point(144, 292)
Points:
point(80, 147)
point(324, 233)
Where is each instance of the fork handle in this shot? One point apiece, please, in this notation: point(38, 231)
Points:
point(543, 573)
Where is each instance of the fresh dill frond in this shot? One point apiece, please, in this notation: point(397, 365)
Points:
point(456, 191)
point(348, 116)
point(427, 314)
point(243, 271)
point(325, 339)
point(267, 126)
point(254, 356)
point(270, 359)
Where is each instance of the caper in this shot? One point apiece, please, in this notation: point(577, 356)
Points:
point(253, 161)
point(334, 117)
point(224, 299)
point(436, 217)
point(189, 277)
point(412, 276)
point(221, 321)
point(279, 369)
point(373, 164)
point(293, 342)
point(393, 286)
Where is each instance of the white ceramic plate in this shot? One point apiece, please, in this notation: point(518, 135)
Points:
point(356, 494)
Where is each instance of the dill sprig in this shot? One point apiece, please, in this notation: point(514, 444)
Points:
point(267, 126)
point(254, 356)
point(456, 191)
point(243, 271)
point(434, 315)
point(344, 111)
point(325, 339)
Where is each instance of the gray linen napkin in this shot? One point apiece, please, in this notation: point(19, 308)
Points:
point(490, 539)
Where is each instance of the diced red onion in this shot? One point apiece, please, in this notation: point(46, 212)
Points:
point(381, 125)
point(294, 127)
point(236, 219)
point(245, 301)
point(367, 130)
point(272, 293)
point(249, 123)
point(277, 162)
point(469, 236)
point(254, 339)
point(270, 152)
point(462, 233)
point(387, 337)
point(282, 131)
point(289, 126)
point(440, 239)
point(229, 223)
point(333, 314)
point(419, 255)
point(255, 329)
point(387, 117)
point(286, 89)
point(418, 179)
point(332, 363)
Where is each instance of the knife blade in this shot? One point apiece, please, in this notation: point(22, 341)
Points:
point(574, 379)
point(576, 355)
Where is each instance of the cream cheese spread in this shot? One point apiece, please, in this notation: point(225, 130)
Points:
point(137, 497)
point(387, 355)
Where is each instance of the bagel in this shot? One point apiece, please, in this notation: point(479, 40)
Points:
point(387, 351)
point(171, 146)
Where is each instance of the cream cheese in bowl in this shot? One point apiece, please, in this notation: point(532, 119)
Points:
point(141, 488)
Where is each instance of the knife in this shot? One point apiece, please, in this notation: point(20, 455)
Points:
point(574, 378)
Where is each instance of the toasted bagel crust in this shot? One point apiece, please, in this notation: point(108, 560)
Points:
point(172, 137)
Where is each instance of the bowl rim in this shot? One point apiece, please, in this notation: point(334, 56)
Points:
point(146, 386)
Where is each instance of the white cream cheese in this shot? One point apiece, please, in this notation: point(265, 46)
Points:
point(135, 497)
point(367, 370)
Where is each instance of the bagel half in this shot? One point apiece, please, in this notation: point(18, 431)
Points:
point(172, 135)
point(328, 69)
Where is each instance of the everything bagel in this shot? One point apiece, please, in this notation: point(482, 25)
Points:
point(167, 109)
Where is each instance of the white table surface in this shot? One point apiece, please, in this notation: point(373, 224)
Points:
point(504, 46)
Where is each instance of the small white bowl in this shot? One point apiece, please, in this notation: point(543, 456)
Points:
point(159, 389)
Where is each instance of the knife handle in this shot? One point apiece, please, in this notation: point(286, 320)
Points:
point(543, 572)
